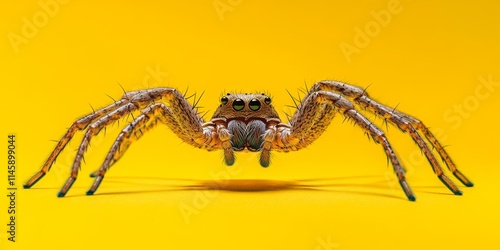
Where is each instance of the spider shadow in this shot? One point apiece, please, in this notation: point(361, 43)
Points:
point(359, 185)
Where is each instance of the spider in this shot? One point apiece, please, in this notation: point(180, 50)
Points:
point(249, 122)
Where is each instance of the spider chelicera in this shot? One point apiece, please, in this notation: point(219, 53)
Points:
point(249, 122)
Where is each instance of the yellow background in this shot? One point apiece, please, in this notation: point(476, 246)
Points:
point(337, 194)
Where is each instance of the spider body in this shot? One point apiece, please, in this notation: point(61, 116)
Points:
point(249, 122)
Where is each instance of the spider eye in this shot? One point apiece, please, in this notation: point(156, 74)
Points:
point(267, 100)
point(238, 104)
point(254, 104)
point(224, 100)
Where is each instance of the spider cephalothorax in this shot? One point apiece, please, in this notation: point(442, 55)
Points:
point(246, 117)
point(249, 122)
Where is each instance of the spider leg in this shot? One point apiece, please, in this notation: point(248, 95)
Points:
point(194, 134)
point(267, 144)
point(79, 124)
point(315, 114)
point(149, 118)
point(440, 149)
point(225, 139)
point(132, 132)
point(407, 124)
point(93, 129)
point(179, 116)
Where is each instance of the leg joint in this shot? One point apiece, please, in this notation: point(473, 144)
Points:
point(339, 87)
point(335, 100)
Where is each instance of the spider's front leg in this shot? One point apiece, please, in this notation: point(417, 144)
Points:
point(316, 113)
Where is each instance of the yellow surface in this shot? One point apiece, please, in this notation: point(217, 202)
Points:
point(425, 56)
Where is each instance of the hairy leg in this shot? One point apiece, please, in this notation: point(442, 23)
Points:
point(148, 119)
point(406, 123)
point(186, 123)
point(79, 124)
point(93, 129)
point(316, 113)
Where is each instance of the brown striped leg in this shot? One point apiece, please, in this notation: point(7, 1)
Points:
point(137, 100)
point(93, 129)
point(225, 139)
point(406, 126)
point(189, 126)
point(80, 124)
point(150, 116)
point(311, 119)
point(132, 132)
point(405, 123)
point(265, 153)
point(440, 149)
point(136, 129)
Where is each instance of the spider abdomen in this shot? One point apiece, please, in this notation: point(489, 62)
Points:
point(246, 135)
